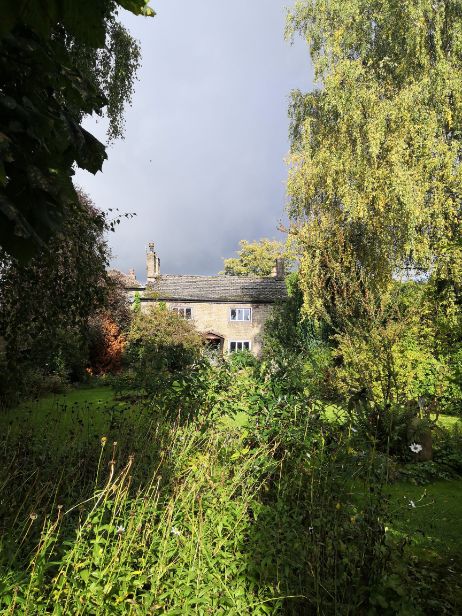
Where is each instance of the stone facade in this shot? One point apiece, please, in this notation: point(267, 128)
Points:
point(214, 318)
point(210, 302)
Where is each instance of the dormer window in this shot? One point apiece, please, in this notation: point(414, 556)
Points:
point(240, 314)
point(184, 313)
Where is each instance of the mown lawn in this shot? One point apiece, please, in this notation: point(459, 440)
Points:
point(85, 414)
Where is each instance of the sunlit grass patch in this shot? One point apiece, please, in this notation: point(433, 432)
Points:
point(89, 403)
point(431, 515)
point(175, 546)
point(84, 413)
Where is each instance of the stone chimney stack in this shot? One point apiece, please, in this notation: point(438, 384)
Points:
point(152, 263)
point(279, 270)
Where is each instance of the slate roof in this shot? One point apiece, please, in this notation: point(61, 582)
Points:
point(217, 289)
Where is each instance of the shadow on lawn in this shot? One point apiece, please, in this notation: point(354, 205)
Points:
point(320, 545)
point(320, 542)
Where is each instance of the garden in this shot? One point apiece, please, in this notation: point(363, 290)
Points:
point(144, 473)
point(190, 486)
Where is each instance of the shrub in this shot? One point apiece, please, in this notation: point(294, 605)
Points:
point(159, 344)
point(242, 359)
point(296, 349)
point(392, 363)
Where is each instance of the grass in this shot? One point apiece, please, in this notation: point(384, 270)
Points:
point(427, 523)
point(197, 525)
point(334, 412)
point(435, 523)
point(94, 406)
point(86, 403)
point(87, 412)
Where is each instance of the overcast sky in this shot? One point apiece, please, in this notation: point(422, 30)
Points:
point(202, 162)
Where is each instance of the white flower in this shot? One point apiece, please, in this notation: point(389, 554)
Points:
point(415, 447)
point(175, 531)
point(120, 530)
point(411, 504)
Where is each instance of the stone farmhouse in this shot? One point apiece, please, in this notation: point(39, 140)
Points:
point(229, 311)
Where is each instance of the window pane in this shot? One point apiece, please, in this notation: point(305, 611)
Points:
point(233, 314)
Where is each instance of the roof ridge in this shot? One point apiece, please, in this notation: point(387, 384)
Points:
point(220, 276)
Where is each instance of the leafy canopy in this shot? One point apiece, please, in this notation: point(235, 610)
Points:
point(46, 304)
point(160, 341)
point(375, 174)
point(59, 61)
point(255, 258)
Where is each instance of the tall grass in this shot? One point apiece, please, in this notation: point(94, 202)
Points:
point(171, 546)
point(283, 516)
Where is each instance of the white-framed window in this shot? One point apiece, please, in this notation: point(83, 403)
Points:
point(184, 313)
point(239, 345)
point(240, 314)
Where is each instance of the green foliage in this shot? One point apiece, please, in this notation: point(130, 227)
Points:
point(41, 139)
point(286, 514)
point(57, 66)
point(390, 364)
point(46, 304)
point(160, 343)
point(87, 22)
point(430, 581)
point(242, 359)
point(395, 356)
point(375, 168)
point(111, 70)
point(244, 520)
point(137, 303)
point(295, 347)
point(256, 258)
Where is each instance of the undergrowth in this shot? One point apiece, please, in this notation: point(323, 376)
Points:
point(176, 511)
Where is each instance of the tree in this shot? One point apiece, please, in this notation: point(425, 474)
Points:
point(295, 347)
point(375, 178)
point(46, 304)
point(255, 258)
point(58, 62)
point(375, 191)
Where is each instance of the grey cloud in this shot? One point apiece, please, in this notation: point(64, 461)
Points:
point(202, 162)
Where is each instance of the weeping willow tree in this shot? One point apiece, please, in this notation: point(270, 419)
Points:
point(375, 173)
